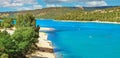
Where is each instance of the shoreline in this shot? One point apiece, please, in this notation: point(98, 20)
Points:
point(83, 21)
point(89, 21)
point(45, 48)
point(44, 45)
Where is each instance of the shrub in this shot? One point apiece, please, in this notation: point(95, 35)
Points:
point(18, 44)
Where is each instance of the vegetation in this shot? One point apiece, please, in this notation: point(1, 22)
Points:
point(107, 13)
point(18, 44)
point(111, 14)
point(27, 20)
point(7, 22)
point(0, 24)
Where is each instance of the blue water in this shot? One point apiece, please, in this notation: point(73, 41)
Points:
point(84, 40)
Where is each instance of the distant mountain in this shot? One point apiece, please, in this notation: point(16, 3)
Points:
point(97, 8)
point(53, 11)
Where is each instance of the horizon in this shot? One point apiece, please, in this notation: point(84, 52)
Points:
point(19, 5)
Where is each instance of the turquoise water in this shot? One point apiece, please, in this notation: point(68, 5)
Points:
point(84, 40)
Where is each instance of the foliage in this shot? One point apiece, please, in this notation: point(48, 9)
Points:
point(5, 42)
point(75, 13)
point(4, 56)
point(0, 24)
point(52, 12)
point(7, 22)
point(26, 20)
point(18, 44)
point(111, 14)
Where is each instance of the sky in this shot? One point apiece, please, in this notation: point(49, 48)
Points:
point(18, 5)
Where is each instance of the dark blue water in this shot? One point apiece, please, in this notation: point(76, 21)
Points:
point(84, 40)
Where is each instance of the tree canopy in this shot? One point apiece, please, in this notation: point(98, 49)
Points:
point(18, 44)
point(25, 20)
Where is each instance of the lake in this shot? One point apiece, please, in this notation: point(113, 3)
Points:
point(84, 40)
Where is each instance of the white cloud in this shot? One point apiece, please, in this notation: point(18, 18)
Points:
point(64, 0)
point(78, 6)
point(61, 1)
point(13, 3)
point(53, 5)
point(24, 8)
point(37, 7)
point(29, 8)
point(86, 2)
point(25, 1)
point(96, 3)
point(20, 4)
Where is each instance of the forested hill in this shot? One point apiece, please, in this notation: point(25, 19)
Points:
point(109, 14)
point(53, 12)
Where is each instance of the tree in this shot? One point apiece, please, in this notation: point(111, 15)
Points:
point(4, 56)
point(26, 20)
point(7, 22)
point(18, 44)
point(23, 39)
point(0, 24)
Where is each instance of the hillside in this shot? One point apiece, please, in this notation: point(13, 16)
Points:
point(51, 12)
point(108, 14)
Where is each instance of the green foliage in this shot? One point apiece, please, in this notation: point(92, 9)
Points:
point(26, 20)
point(18, 44)
point(111, 14)
point(7, 22)
point(5, 42)
point(73, 13)
point(0, 24)
point(4, 56)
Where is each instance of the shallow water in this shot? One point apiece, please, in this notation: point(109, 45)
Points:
point(84, 40)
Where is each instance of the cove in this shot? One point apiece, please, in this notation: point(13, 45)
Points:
point(84, 40)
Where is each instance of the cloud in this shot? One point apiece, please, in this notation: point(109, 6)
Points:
point(37, 7)
point(29, 7)
point(13, 3)
point(20, 4)
point(25, 1)
point(53, 5)
point(87, 2)
point(78, 6)
point(33, 4)
point(61, 1)
point(96, 3)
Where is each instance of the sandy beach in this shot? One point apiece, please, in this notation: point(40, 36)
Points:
point(89, 21)
point(44, 45)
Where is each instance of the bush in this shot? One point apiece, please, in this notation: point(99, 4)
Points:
point(26, 20)
point(7, 23)
point(18, 44)
point(4, 56)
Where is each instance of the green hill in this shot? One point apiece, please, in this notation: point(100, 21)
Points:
point(106, 13)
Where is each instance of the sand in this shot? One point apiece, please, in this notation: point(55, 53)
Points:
point(89, 21)
point(44, 43)
point(8, 30)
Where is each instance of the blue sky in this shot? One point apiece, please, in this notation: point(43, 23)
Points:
point(17, 5)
